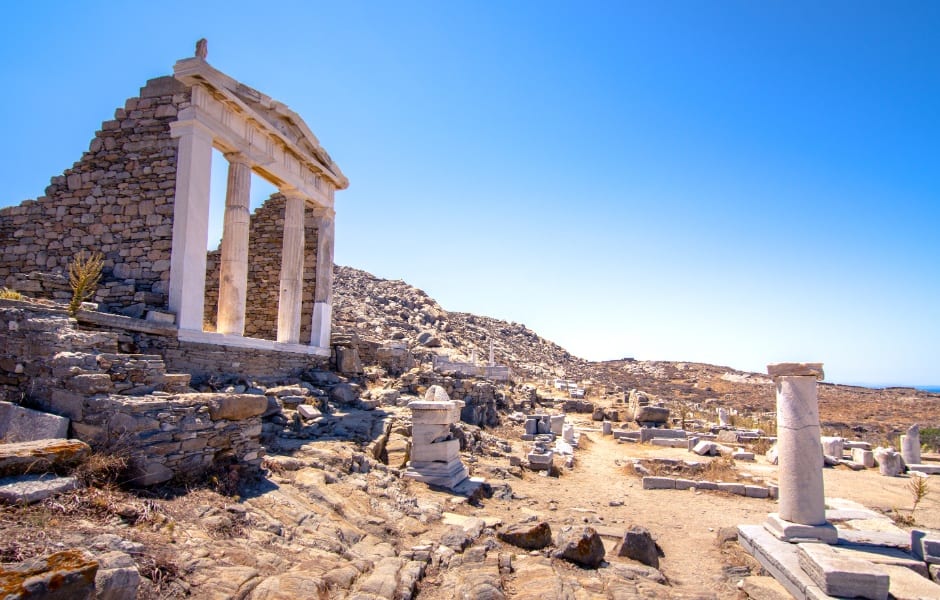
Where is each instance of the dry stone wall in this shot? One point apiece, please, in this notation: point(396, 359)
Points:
point(117, 199)
point(119, 400)
point(264, 272)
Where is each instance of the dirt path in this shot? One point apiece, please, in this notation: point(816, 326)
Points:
point(599, 491)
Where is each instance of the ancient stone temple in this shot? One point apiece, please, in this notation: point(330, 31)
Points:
point(140, 196)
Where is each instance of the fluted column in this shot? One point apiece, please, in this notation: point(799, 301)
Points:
point(190, 223)
point(292, 269)
point(233, 274)
point(323, 292)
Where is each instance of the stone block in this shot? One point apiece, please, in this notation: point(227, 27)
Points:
point(29, 489)
point(40, 455)
point(732, 488)
point(659, 483)
point(889, 461)
point(908, 585)
point(924, 468)
point(440, 451)
point(742, 455)
point(706, 485)
point(232, 407)
point(925, 546)
point(684, 484)
point(18, 424)
point(117, 577)
point(705, 448)
point(66, 574)
point(863, 457)
point(842, 576)
point(756, 491)
point(789, 531)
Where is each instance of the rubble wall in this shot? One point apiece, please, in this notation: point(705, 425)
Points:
point(265, 240)
point(123, 401)
point(117, 200)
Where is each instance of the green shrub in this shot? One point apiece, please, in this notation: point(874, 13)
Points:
point(930, 438)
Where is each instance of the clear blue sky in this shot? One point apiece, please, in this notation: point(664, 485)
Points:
point(729, 182)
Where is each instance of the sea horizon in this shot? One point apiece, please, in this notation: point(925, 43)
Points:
point(935, 389)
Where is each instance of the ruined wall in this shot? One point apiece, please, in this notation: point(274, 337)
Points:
point(123, 400)
point(264, 272)
point(117, 199)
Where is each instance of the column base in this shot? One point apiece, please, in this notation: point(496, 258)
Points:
point(789, 531)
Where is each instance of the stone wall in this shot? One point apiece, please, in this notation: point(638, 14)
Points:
point(264, 272)
point(123, 401)
point(117, 199)
point(481, 398)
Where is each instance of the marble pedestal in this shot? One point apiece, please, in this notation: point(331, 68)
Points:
point(435, 455)
point(910, 445)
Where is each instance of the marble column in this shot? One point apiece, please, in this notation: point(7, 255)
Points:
point(190, 222)
point(323, 292)
point(910, 445)
point(233, 272)
point(292, 269)
point(802, 509)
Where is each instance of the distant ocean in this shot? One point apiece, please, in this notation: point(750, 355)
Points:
point(930, 388)
point(877, 386)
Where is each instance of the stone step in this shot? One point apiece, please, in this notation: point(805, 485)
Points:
point(842, 575)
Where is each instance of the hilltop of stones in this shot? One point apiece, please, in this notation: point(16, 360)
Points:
point(392, 310)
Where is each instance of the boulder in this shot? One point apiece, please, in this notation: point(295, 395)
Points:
point(344, 394)
point(651, 414)
point(436, 393)
point(117, 578)
point(530, 536)
point(67, 574)
point(581, 546)
point(638, 544)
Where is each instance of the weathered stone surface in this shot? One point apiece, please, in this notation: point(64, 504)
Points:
point(890, 463)
point(344, 394)
point(117, 578)
point(651, 414)
point(290, 586)
point(232, 407)
point(908, 585)
point(796, 370)
point(66, 575)
point(910, 445)
point(29, 489)
point(18, 424)
point(925, 546)
point(531, 536)
point(659, 483)
point(638, 544)
point(842, 576)
point(764, 588)
point(581, 546)
point(40, 456)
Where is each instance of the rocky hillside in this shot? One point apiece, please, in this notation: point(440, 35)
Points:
point(381, 309)
point(384, 310)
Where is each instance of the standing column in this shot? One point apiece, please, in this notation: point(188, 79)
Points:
point(233, 274)
point(190, 222)
point(802, 499)
point(323, 292)
point(292, 269)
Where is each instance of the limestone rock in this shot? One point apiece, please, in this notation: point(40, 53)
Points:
point(29, 489)
point(18, 424)
point(117, 578)
point(69, 574)
point(530, 536)
point(289, 586)
point(232, 407)
point(41, 455)
point(581, 546)
point(344, 394)
point(764, 588)
point(638, 544)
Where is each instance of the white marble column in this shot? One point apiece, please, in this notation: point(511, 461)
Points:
point(190, 222)
point(233, 272)
point(802, 512)
point(292, 269)
point(323, 292)
point(910, 445)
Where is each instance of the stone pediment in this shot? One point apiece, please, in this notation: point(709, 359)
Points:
point(273, 117)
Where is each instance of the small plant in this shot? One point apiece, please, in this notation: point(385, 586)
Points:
point(84, 276)
point(8, 294)
point(918, 488)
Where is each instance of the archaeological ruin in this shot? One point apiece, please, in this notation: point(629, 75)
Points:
point(140, 197)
